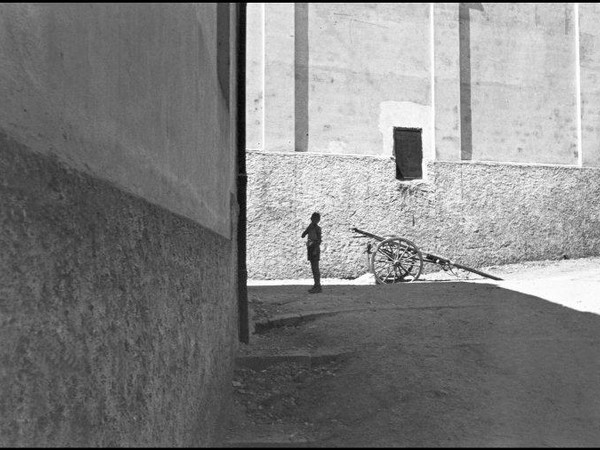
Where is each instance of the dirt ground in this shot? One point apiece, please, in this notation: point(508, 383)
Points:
point(440, 362)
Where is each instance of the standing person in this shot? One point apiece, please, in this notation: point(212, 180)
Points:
point(313, 249)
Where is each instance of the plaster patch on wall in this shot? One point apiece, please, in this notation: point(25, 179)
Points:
point(337, 147)
point(408, 115)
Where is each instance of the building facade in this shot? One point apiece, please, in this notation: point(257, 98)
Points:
point(471, 129)
point(118, 216)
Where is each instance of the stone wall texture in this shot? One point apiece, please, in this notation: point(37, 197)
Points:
point(117, 317)
point(474, 213)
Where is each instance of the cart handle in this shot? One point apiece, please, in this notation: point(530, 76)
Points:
point(367, 234)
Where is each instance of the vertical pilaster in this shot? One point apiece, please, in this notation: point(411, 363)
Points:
point(578, 84)
point(446, 81)
point(301, 76)
point(279, 86)
point(589, 76)
point(255, 76)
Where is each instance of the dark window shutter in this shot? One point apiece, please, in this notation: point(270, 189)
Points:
point(408, 150)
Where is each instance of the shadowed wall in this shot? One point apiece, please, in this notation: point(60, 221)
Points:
point(117, 212)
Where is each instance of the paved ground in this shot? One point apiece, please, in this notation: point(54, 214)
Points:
point(430, 363)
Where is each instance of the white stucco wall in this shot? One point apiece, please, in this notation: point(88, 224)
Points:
point(505, 82)
point(368, 63)
point(255, 76)
point(507, 97)
point(523, 83)
point(408, 115)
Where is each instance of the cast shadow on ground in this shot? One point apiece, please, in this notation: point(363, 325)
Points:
point(452, 364)
point(292, 298)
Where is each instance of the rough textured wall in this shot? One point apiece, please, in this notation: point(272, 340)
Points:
point(522, 80)
point(474, 213)
point(118, 318)
point(117, 208)
point(126, 92)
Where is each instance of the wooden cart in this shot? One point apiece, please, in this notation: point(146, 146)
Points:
point(395, 259)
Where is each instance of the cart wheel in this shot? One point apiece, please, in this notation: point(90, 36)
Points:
point(396, 259)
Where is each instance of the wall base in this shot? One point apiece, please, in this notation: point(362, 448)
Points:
point(474, 213)
point(118, 317)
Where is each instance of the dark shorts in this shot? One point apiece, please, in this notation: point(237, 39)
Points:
point(313, 252)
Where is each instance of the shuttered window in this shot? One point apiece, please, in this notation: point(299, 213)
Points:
point(408, 150)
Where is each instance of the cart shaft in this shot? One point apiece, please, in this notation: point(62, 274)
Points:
point(441, 260)
point(367, 234)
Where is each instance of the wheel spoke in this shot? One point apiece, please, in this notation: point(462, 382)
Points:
point(411, 259)
point(396, 259)
point(403, 252)
point(380, 272)
point(399, 270)
point(407, 271)
point(383, 261)
point(389, 255)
